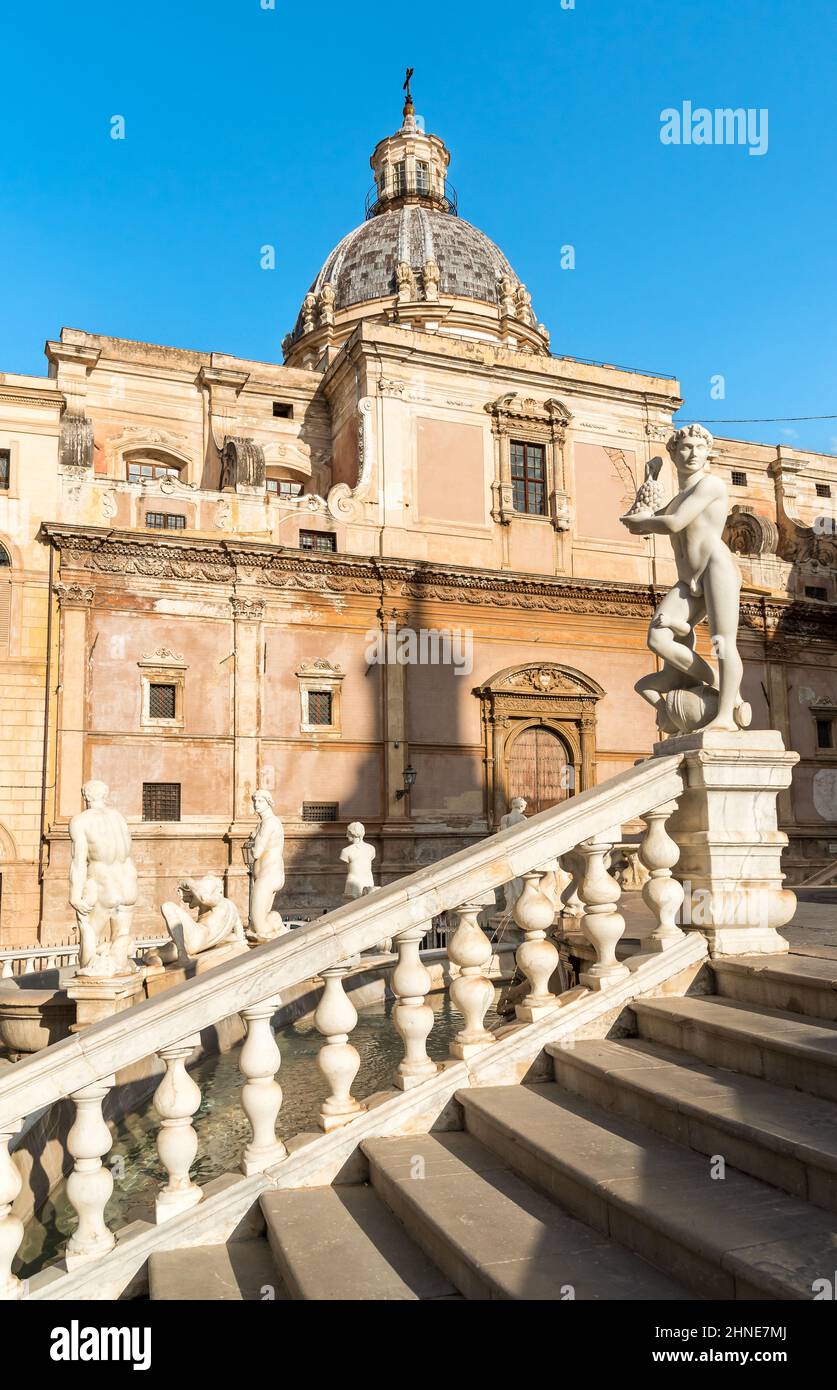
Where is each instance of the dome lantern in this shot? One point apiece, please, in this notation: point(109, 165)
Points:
point(410, 167)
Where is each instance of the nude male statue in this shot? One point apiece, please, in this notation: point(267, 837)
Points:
point(357, 856)
point(103, 885)
point(264, 853)
point(708, 585)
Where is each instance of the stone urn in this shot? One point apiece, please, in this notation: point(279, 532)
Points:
point(34, 1012)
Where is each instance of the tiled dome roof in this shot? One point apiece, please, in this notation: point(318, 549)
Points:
point(362, 266)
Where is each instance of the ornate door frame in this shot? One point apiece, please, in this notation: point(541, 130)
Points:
point(544, 693)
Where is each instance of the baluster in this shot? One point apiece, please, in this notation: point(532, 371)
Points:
point(471, 991)
point(29, 965)
point(176, 1099)
point(51, 961)
point(413, 1018)
point(11, 1226)
point(261, 1094)
point(338, 1060)
point(90, 1184)
point(602, 924)
point(662, 893)
point(537, 956)
point(7, 973)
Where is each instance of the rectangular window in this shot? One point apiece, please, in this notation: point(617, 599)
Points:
point(282, 487)
point(317, 540)
point(739, 479)
point(161, 801)
point(528, 472)
point(319, 707)
point(825, 733)
point(162, 701)
point(165, 521)
point(422, 176)
point(823, 490)
point(5, 469)
point(401, 178)
point(319, 810)
point(144, 472)
point(283, 410)
point(816, 591)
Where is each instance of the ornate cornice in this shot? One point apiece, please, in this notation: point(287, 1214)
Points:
point(399, 584)
point(74, 595)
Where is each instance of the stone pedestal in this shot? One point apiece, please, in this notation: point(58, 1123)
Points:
point(98, 999)
point(730, 845)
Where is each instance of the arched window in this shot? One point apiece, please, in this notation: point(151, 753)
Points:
point(142, 469)
point(5, 595)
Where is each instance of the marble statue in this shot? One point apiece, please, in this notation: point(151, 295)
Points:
point(264, 855)
point(357, 856)
point(515, 814)
point(103, 886)
point(203, 919)
point(686, 693)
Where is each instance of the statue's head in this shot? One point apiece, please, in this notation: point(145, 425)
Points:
point(262, 800)
point(690, 448)
point(355, 831)
point(202, 892)
point(94, 793)
point(518, 803)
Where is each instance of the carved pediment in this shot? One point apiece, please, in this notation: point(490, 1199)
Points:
point(513, 407)
point(543, 678)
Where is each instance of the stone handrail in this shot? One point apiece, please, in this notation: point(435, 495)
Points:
point(29, 960)
point(83, 1067)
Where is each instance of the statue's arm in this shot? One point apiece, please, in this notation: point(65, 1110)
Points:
point(679, 514)
point(78, 867)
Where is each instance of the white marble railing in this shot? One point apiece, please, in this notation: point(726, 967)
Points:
point(29, 960)
point(83, 1066)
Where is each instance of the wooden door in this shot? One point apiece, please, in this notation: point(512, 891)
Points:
point(538, 769)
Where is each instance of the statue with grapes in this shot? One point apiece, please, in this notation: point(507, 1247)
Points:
point(687, 693)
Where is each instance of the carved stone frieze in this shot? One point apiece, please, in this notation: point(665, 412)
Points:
point(74, 595)
point(247, 609)
point(748, 533)
point(242, 462)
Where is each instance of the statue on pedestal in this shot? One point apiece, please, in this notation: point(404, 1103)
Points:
point(203, 919)
point(264, 855)
point(358, 856)
point(686, 693)
point(103, 886)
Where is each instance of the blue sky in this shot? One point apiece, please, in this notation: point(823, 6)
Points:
point(248, 126)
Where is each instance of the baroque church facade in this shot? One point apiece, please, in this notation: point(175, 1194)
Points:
point(385, 579)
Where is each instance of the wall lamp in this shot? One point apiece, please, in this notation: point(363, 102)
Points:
point(409, 782)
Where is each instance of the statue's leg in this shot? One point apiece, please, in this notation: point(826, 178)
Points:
point(721, 589)
point(121, 920)
point(675, 620)
point(175, 918)
point(87, 939)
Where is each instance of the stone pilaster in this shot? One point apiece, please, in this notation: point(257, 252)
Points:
point(75, 602)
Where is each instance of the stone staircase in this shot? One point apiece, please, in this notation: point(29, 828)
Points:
point(697, 1158)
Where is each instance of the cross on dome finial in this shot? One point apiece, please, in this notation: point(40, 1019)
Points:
point(409, 113)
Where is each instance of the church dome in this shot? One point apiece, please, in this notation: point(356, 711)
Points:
point(414, 262)
point(363, 265)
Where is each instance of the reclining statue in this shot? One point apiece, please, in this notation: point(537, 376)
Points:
point(686, 693)
point(201, 921)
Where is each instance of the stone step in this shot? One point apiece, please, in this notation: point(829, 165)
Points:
point(730, 1238)
point(244, 1270)
point(799, 984)
point(770, 1043)
point(492, 1234)
point(342, 1243)
point(782, 1137)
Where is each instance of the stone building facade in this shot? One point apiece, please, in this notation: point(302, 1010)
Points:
point(385, 579)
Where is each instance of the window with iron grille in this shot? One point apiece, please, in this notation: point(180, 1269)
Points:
point(162, 701)
point(319, 707)
point(319, 810)
point(161, 801)
point(528, 473)
point(825, 733)
point(739, 479)
point(145, 472)
point(283, 410)
point(317, 540)
point(823, 490)
point(5, 468)
point(816, 591)
point(282, 487)
point(166, 521)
